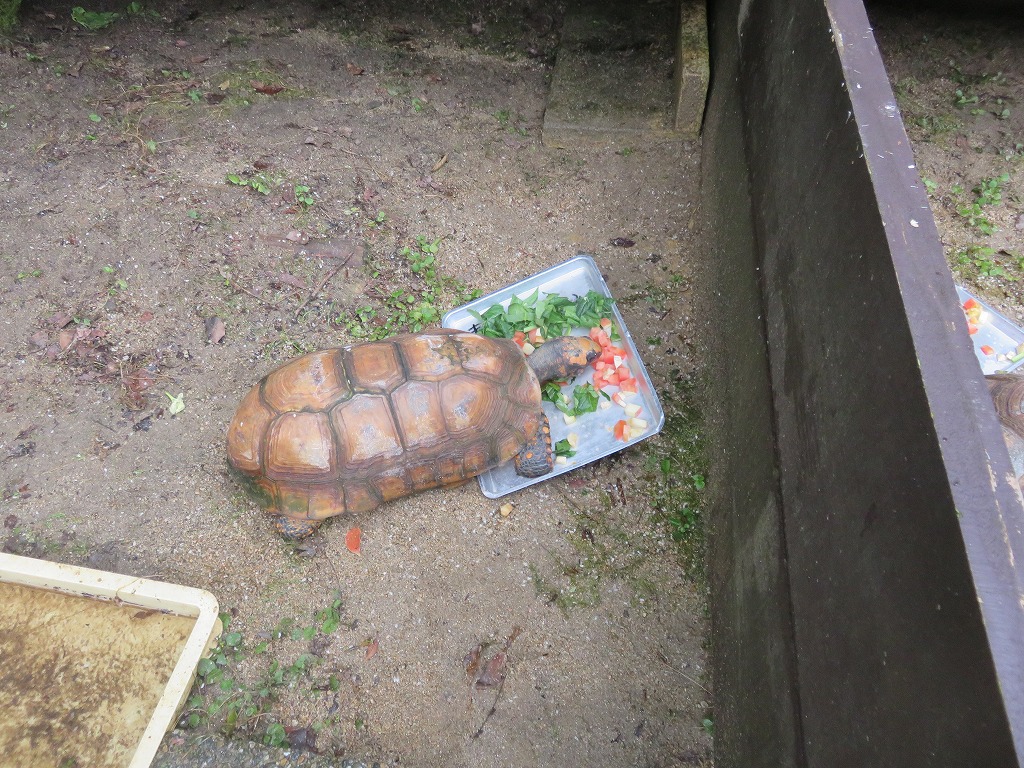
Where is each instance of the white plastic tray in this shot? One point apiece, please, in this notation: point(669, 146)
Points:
point(572, 278)
point(68, 623)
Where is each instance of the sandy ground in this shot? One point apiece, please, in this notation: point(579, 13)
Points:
point(959, 82)
point(123, 240)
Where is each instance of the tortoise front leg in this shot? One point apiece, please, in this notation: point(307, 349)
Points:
point(536, 457)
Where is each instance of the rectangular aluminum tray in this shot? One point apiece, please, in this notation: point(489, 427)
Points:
point(571, 278)
point(997, 332)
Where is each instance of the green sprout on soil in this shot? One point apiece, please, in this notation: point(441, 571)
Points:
point(303, 196)
point(414, 306)
point(234, 701)
point(261, 182)
point(511, 122)
point(93, 20)
point(677, 467)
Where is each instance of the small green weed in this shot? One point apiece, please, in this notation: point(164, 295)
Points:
point(511, 122)
point(410, 308)
point(990, 191)
point(262, 181)
point(93, 20)
point(221, 698)
point(30, 273)
point(303, 196)
point(676, 466)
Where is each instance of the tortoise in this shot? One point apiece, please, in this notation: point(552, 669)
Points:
point(1007, 391)
point(347, 429)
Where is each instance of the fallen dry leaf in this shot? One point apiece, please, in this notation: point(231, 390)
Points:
point(264, 88)
point(285, 279)
point(494, 671)
point(198, 59)
point(39, 339)
point(622, 242)
point(371, 649)
point(146, 316)
point(354, 69)
point(59, 320)
point(214, 330)
point(471, 662)
point(353, 540)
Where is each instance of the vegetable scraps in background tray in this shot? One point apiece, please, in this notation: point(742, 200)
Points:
point(531, 321)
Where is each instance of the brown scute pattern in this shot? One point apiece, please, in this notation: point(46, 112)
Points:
point(345, 430)
point(422, 476)
point(325, 500)
point(430, 357)
point(524, 387)
point(450, 470)
point(477, 459)
point(392, 485)
point(359, 498)
point(245, 435)
point(367, 431)
point(507, 444)
point(300, 445)
point(311, 382)
point(467, 402)
point(420, 420)
point(374, 367)
point(488, 357)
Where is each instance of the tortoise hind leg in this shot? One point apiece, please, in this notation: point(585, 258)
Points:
point(536, 457)
point(292, 529)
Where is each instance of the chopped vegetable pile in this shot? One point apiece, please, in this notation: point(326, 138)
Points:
point(531, 321)
point(550, 315)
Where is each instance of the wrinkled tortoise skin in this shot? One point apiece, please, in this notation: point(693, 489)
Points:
point(344, 430)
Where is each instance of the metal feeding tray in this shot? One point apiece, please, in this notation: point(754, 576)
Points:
point(996, 340)
point(572, 278)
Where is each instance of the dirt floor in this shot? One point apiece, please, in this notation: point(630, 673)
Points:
point(959, 83)
point(192, 194)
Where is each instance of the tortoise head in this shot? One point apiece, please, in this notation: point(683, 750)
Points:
point(563, 357)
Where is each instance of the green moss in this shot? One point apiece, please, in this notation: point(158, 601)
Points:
point(8, 14)
point(676, 466)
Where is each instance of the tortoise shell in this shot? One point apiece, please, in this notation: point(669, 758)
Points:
point(344, 430)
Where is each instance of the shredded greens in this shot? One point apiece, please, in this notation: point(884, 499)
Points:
point(554, 315)
point(563, 448)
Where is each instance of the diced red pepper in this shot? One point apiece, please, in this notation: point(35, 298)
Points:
point(987, 349)
point(519, 338)
point(622, 430)
point(972, 329)
point(535, 337)
point(606, 323)
point(970, 304)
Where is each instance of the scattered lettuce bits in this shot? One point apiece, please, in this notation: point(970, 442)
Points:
point(562, 448)
point(554, 315)
point(584, 400)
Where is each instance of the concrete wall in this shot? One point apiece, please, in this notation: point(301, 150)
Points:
point(866, 533)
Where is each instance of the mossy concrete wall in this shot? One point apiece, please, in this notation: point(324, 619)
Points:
point(867, 544)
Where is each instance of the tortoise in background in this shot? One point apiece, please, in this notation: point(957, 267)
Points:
point(346, 429)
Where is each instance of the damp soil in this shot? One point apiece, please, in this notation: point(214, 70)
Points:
point(195, 193)
point(958, 79)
